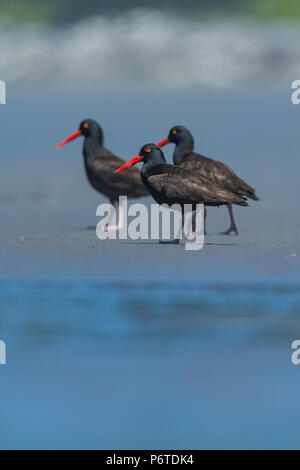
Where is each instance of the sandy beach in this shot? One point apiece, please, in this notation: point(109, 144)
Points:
point(53, 247)
point(44, 217)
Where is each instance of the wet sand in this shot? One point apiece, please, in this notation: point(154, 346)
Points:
point(52, 245)
point(46, 202)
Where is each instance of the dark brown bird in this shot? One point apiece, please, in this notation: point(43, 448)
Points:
point(100, 165)
point(170, 184)
point(217, 172)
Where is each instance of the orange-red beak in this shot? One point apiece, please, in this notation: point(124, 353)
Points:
point(164, 142)
point(69, 139)
point(132, 162)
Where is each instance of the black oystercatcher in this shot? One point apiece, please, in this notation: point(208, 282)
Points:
point(170, 184)
point(217, 172)
point(100, 164)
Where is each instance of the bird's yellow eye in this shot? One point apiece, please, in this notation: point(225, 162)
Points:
point(85, 125)
point(147, 149)
point(174, 132)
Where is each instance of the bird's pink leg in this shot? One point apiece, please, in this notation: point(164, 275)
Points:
point(179, 236)
point(233, 227)
point(194, 221)
point(120, 212)
point(192, 224)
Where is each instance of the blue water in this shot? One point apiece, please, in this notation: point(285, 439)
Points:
point(149, 365)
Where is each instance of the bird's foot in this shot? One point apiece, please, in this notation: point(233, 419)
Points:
point(230, 230)
point(191, 235)
point(169, 242)
point(115, 228)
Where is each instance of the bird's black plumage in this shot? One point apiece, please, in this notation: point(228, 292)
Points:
point(217, 172)
point(169, 184)
point(100, 165)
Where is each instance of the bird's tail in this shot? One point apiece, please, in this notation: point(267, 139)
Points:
point(241, 202)
point(246, 190)
point(252, 195)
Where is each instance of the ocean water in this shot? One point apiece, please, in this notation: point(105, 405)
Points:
point(149, 365)
point(148, 48)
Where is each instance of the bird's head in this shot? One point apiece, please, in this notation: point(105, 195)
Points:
point(176, 135)
point(149, 152)
point(86, 128)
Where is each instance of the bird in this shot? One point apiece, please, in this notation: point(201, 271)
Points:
point(100, 163)
point(217, 172)
point(171, 184)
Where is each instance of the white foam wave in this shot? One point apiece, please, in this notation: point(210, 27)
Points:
point(151, 49)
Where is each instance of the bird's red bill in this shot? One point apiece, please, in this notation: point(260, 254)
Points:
point(163, 142)
point(69, 139)
point(132, 162)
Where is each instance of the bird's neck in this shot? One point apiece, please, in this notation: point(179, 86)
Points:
point(151, 164)
point(183, 148)
point(92, 146)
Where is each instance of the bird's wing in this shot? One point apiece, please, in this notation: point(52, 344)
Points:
point(178, 186)
point(182, 185)
point(105, 167)
point(219, 173)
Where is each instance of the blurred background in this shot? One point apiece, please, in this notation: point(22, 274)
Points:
point(72, 10)
point(218, 44)
point(139, 345)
